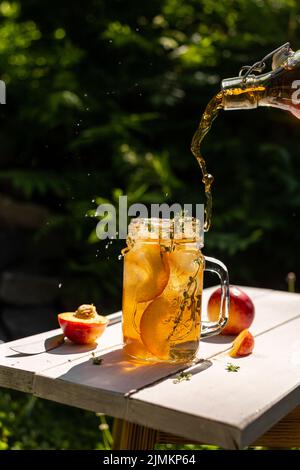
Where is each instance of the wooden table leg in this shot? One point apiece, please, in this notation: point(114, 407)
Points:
point(117, 433)
point(130, 436)
point(285, 434)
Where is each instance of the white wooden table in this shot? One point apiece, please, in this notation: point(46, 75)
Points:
point(229, 409)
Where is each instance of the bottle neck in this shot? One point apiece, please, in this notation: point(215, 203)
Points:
point(277, 89)
point(244, 94)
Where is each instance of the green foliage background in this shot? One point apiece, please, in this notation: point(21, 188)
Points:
point(103, 98)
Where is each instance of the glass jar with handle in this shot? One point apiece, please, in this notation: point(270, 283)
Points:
point(162, 290)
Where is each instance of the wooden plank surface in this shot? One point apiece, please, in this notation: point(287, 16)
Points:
point(241, 405)
point(17, 371)
point(119, 379)
point(229, 409)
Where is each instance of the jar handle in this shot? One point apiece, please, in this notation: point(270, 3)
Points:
point(216, 266)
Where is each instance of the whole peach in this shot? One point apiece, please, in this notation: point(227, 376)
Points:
point(241, 311)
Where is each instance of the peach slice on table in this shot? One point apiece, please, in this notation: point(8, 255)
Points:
point(147, 271)
point(243, 344)
point(84, 326)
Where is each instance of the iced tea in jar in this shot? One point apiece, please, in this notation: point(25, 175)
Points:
point(162, 290)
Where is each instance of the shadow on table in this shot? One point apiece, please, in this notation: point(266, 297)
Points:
point(67, 347)
point(117, 373)
point(219, 339)
point(55, 344)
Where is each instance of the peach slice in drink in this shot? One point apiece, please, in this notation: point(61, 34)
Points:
point(184, 262)
point(146, 276)
point(165, 327)
point(174, 317)
point(156, 326)
point(147, 271)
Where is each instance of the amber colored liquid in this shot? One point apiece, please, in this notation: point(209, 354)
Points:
point(208, 116)
point(280, 90)
point(210, 113)
point(162, 294)
point(283, 91)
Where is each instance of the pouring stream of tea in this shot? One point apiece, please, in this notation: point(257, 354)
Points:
point(210, 113)
point(208, 116)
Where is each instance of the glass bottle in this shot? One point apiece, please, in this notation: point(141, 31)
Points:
point(279, 88)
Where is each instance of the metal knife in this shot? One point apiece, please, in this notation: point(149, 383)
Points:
point(41, 346)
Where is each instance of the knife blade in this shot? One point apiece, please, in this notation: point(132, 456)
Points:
point(41, 346)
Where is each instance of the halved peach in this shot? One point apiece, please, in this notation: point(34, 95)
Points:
point(242, 345)
point(82, 330)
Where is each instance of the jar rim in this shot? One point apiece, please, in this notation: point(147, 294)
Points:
point(181, 228)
